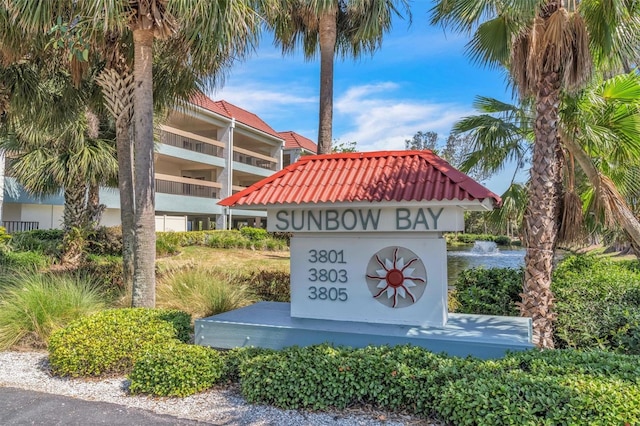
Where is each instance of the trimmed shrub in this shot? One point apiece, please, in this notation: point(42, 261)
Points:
point(111, 341)
point(25, 260)
point(272, 286)
point(491, 291)
point(598, 304)
point(254, 234)
point(106, 241)
point(107, 273)
point(532, 388)
point(47, 241)
point(502, 240)
point(176, 370)
point(202, 292)
point(167, 243)
point(235, 357)
point(33, 305)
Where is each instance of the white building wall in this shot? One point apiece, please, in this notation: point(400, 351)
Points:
point(171, 223)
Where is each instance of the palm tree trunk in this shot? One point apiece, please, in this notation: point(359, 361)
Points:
point(117, 87)
point(125, 186)
point(74, 223)
point(328, 34)
point(95, 209)
point(144, 190)
point(542, 212)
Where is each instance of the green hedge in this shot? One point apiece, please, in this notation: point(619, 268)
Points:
point(110, 341)
point(598, 304)
point(491, 291)
point(551, 387)
point(176, 370)
point(247, 238)
point(597, 300)
point(501, 240)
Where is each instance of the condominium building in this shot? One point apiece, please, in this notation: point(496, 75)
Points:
point(205, 151)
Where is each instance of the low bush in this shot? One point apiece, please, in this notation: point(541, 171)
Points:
point(176, 370)
point(270, 285)
point(491, 291)
point(25, 260)
point(34, 305)
point(502, 240)
point(110, 341)
point(202, 291)
point(598, 304)
point(235, 357)
point(597, 300)
point(254, 234)
point(46, 241)
point(106, 272)
point(105, 241)
point(247, 238)
point(167, 243)
point(533, 387)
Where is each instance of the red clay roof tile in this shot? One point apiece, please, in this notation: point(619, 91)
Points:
point(229, 110)
point(296, 140)
point(367, 176)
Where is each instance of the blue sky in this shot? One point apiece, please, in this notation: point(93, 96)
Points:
point(420, 80)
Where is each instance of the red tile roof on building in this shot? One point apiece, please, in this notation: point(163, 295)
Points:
point(368, 176)
point(294, 140)
point(229, 110)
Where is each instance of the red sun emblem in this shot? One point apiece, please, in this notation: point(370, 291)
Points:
point(395, 277)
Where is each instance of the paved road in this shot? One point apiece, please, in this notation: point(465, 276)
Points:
point(21, 407)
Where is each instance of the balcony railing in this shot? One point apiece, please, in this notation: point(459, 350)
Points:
point(237, 188)
point(191, 141)
point(254, 159)
point(12, 226)
point(167, 184)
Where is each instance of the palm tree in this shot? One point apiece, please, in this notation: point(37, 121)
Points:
point(65, 156)
point(599, 129)
point(346, 27)
point(211, 35)
point(549, 48)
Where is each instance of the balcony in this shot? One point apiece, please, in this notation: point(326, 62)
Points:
point(237, 188)
point(176, 185)
point(191, 142)
point(251, 158)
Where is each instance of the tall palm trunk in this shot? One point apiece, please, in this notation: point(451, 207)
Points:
point(328, 34)
point(117, 88)
point(541, 215)
point(125, 186)
point(74, 223)
point(144, 191)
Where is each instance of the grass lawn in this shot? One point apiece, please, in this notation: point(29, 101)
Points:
point(237, 260)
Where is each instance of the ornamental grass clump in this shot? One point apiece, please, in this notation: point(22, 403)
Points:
point(203, 291)
point(33, 305)
point(111, 341)
point(176, 370)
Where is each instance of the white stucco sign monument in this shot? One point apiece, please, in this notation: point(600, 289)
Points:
point(368, 257)
point(367, 230)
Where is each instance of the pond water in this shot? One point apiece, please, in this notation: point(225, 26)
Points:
point(482, 253)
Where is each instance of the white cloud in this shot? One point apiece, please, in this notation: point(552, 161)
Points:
point(256, 98)
point(368, 115)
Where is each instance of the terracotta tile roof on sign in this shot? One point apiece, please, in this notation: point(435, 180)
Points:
point(296, 140)
point(229, 110)
point(367, 176)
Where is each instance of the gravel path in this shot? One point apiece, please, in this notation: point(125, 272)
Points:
point(29, 370)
